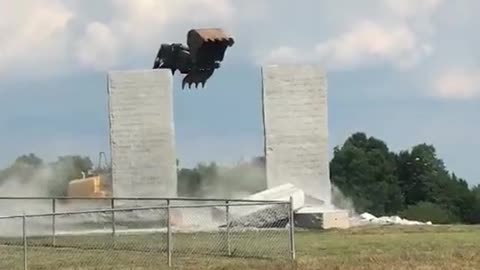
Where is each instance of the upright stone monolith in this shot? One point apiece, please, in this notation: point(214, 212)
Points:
point(142, 133)
point(296, 128)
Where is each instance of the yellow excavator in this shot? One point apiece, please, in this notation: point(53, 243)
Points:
point(96, 183)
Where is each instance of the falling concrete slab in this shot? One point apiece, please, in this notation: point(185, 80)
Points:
point(281, 193)
point(142, 133)
point(271, 215)
point(296, 128)
point(318, 218)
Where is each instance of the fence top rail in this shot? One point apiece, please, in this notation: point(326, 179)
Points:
point(138, 199)
point(126, 209)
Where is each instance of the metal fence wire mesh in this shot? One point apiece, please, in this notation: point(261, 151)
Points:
point(12, 251)
point(153, 235)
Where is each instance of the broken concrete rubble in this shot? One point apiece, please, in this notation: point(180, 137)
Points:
point(277, 215)
point(267, 215)
point(367, 218)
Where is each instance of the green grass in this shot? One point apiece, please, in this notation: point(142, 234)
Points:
point(389, 247)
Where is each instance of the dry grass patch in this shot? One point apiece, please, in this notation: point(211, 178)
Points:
point(375, 247)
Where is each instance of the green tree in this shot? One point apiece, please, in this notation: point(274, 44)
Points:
point(427, 211)
point(199, 181)
point(424, 178)
point(23, 169)
point(211, 180)
point(65, 169)
point(189, 183)
point(418, 173)
point(365, 170)
point(473, 216)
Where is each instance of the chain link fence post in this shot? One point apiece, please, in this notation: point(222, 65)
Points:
point(227, 219)
point(291, 229)
point(112, 206)
point(24, 235)
point(54, 229)
point(169, 236)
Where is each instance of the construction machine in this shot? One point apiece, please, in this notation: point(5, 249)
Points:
point(96, 183)
point(198, 59)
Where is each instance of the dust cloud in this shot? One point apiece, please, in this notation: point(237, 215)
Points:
point(17, 186)
point(342, 202)
point(36, 186)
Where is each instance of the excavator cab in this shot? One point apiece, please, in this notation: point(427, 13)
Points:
point(204, 52)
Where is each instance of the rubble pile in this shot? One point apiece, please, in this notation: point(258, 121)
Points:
point(367, 218)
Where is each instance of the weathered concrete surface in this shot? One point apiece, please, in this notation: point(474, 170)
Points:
point(317, 218)
point(268, 215)
point(296, 128)
point(142, 133)
point(265, 215)
point(280, 193)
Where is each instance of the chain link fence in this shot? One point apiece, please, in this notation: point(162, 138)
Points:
point(148, 235)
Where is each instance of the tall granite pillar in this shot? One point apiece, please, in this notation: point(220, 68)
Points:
point(296, 128)
point(142, 133)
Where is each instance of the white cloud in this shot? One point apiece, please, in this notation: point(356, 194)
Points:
point(142, 21)
point(49, 35)
point(32, 31)
point(365, 43)
point(283, 54)
point(411, 8)
point(399, 35)
point(52, 35)
point(98, 48)
point(457, 84)
point(371, 42)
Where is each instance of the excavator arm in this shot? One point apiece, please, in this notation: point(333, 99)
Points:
point(204, 52)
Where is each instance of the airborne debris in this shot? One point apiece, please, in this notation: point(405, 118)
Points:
point(203, 53)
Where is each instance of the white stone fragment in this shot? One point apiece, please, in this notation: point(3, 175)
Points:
point(367, 218)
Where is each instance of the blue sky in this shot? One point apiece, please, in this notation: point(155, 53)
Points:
point(405, 71)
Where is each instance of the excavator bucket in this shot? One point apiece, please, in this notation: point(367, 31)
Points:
point(208, 46)
point(203, 54)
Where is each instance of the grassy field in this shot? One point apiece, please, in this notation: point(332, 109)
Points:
point(388, 247)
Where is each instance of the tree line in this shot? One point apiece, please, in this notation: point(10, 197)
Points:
point(47, 178)
point(413, 183)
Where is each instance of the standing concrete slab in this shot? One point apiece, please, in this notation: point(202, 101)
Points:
point(142, 133)
point(296, 128)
